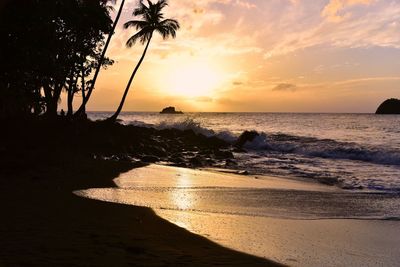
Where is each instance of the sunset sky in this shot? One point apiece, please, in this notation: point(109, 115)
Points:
point(261, 55)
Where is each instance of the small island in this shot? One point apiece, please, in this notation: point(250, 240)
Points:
point(170, 110)
point(390, 106)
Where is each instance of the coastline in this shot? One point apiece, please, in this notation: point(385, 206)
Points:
point(45, 224)
point(258, 216)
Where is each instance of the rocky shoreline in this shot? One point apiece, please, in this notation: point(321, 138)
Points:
point(45, 224)
point(116, 142)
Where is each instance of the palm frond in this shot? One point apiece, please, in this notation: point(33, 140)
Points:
point(140, 9)
point(162, 3)
point(138, 24)
point(170, 23)
point(151, 19)
point(142, 35)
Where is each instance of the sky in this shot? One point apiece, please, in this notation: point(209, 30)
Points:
point(261, 56)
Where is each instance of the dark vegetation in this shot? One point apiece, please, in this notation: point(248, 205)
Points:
point(390, 106)
point(47, 47)
point(53, 46)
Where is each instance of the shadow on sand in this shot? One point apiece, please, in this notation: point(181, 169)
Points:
point(45, 224)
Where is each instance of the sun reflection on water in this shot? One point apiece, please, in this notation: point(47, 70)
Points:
point(181, 197)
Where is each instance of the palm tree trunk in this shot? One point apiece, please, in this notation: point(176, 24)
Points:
point(82, 108)
point(83, 86)
point(70, 100)
point(114, 117)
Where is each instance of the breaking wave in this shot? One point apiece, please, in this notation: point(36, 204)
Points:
point(284, 143)
point(324, 148)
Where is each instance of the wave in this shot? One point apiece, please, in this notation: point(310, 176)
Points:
point(195, 126)
point(285, 143)
point(324, 148)
point(186, 124)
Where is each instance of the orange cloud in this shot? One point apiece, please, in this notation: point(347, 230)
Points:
point(333, 9)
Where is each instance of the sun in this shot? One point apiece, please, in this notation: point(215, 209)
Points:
point(194, 79)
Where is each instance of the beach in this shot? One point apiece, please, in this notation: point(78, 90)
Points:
point(199, 133)
point(96, 200)
point(45, 224)
point(279, 232)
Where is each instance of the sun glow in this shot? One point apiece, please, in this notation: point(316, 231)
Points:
point(194, 79)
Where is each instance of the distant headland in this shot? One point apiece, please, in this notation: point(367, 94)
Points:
point(390, 106)
point(170, 110)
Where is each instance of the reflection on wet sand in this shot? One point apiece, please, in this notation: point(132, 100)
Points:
point(288, 221)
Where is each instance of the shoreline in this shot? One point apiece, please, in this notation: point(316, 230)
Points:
point(45, 224)
point(293, 241)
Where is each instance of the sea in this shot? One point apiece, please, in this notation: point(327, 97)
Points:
point(322, 189)
point(351, 151)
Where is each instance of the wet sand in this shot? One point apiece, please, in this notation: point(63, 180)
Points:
point(211, 204)
point(299, 242)
point(44, 224)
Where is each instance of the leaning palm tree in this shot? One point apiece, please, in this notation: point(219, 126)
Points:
point(100, 62)
point(151, 20)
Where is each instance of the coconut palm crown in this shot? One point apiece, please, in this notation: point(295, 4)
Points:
point(150, 19)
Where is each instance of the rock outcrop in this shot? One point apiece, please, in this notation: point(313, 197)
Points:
point(170, 110)
point(390, 106)
point(247, 136)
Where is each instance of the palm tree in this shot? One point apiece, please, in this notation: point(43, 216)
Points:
point(152, 20)
point(85, 99)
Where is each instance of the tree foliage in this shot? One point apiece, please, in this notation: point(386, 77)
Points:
point(47, 47)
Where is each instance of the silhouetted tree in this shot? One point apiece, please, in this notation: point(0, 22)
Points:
point(85, 98)
point(44, 46)
point(152, 20)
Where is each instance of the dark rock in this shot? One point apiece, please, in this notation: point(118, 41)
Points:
point(149, 159)
point(210, 161)
point(176, 159)
point(239, 150)
point(170, 110)
point(221, 154)
point(197, 161)
point(181, 165)
point(230, 162)
point(390, 106)
point(247, 136)
point(205, 152)
point(158, 151)
point(125, 157)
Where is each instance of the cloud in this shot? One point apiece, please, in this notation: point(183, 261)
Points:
point(263, 47)
point(227, 101)
point(285, 87)
point(367, 79)
point(237, 83)
point(245, 4)
point(375, 24)
point(333, 9)
point(203, 99)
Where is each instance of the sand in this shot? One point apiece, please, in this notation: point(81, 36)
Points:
point(208, 203)
point(44, 224)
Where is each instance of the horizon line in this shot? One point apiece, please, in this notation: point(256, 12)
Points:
point(276, 112)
